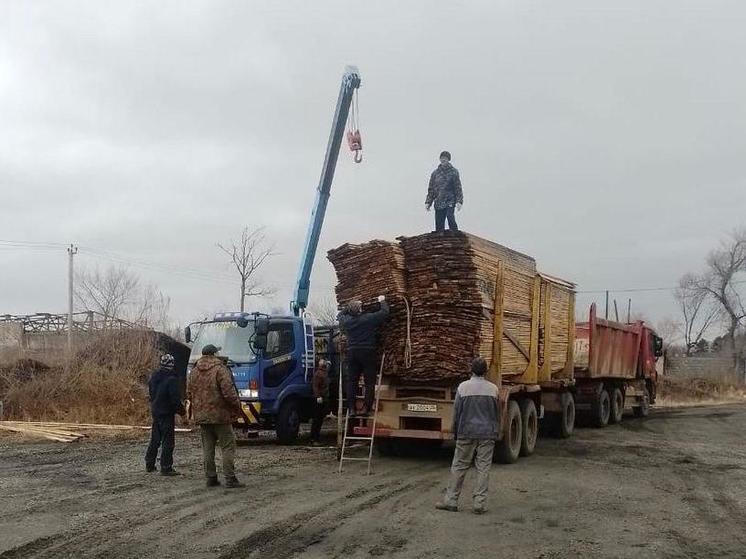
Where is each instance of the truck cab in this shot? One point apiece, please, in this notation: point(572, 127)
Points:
point(272, 360)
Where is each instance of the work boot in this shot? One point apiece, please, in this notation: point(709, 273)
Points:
point(233, 483)
point(150, 469)
point(479, 510)
point(213, 481)
point(170, 473)
point(444, 506)
point(316, 443)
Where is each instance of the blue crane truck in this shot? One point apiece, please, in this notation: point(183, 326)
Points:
point(273, 357)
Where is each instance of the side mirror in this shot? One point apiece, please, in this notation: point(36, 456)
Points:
point(658, 349)
point(261, 327)
point(188, 335)
point(260, 342)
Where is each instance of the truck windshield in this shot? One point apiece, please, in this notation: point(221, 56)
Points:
point(233, 340)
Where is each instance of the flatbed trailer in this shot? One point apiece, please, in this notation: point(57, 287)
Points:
point(532, 356)
point(615, 368)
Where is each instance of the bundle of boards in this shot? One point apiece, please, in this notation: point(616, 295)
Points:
point(443, 289)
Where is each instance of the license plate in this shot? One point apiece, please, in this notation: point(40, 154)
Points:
point(422, 407)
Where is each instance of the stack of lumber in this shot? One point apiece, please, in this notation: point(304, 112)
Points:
point(65, 432)
point(365, 271)
point(451, 283)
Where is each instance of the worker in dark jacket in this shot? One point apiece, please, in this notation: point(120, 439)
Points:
point(321, 399)
point(475, 428)
point(165, 403)
point(360, 330)
point(445, 192)
point(215, 406)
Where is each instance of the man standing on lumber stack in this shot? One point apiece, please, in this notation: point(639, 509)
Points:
point(360, 330)
point(215, 404)
point(475, 424)
point(165, 403)
point(445, 192)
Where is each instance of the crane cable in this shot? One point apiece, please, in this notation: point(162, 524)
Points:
point(354, 139)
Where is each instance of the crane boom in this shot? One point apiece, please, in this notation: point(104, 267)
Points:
point(350, 82)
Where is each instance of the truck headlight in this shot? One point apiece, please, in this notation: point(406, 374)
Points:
point(246, 393)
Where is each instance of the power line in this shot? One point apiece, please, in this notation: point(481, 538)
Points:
point(642, 289)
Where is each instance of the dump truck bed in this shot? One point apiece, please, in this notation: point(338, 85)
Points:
point(607, 349)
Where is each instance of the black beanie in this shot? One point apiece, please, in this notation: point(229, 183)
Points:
point(445, 154)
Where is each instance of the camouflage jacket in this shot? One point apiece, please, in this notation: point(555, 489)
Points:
point(444, 189)
point(212, 392)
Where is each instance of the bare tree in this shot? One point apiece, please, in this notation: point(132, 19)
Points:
point(324, 310)
point(669, 330)
point(118, 293)
point(699, 312)
point(723, 282)
point(247, 255)
point(108, 293)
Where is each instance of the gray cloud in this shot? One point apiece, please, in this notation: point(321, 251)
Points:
point(605, 139)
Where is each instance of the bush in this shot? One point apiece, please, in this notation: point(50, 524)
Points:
point(105, 383)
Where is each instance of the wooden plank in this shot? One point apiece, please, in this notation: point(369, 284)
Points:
point(497, 335)
point(517, 344)
point(546, 367)
point(568, 372)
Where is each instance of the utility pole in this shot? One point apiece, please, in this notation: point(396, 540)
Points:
point(71, 251)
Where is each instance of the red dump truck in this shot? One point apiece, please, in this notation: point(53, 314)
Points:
point(615, 368)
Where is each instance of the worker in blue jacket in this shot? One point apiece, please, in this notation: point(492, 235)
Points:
point(360, 330)
point(165, 403)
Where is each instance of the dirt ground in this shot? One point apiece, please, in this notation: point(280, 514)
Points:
point(673, 485)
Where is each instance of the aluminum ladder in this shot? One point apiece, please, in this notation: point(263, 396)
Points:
point(362, 419)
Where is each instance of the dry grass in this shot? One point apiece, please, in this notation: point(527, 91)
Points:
point(673, 391)
point(105, 383)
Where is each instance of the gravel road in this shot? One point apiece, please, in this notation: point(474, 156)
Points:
point(673, 485)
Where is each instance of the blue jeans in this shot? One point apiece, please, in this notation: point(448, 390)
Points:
point(442, 215)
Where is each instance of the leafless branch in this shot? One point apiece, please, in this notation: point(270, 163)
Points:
point(247, 255)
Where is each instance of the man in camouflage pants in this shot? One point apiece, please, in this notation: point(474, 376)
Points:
point(445, 192)
point(215, 405)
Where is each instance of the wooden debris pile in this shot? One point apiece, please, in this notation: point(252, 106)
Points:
point(449, 282)
point(65, 432)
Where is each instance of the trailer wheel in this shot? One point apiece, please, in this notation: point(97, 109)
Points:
point(388, 447)
point(509, 448)
point(288, 422)
point(644, 409)
point(602, 409)
point(566, 420)
point(617, 406)
point(529, 427)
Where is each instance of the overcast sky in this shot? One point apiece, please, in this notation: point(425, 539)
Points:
point(606, 139)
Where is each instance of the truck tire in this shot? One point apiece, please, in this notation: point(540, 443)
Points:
point(644, 409)
point(509, 448)
point(388, 447)
point(288, 422)
point(601, 409)
point(565, 422)
point(529, 427)
point(617, 406)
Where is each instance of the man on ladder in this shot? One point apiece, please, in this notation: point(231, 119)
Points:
point(360, 328)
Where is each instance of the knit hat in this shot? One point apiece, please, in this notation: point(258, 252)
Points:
point(167, 361)
point(210, 349)
point(445, 154)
